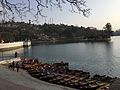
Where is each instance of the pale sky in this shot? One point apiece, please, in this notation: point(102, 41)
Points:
point(103, 11)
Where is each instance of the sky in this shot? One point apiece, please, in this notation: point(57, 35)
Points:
point(102, 12)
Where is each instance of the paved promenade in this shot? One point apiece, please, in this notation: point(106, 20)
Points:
point(12, 80)
point(7, 85)
point(115, 85)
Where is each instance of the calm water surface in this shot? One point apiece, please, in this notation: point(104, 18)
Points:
point(95, 57)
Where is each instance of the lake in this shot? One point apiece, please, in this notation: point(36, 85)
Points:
point(95, 57)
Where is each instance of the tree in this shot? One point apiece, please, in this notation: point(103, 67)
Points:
point(11, 8)
point(108, 30)
point(108, 27)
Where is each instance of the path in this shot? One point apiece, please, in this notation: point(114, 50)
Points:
point(12, 79)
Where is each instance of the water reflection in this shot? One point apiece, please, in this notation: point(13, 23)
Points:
point(10, 54)
point(96, 57)
point(22, 52)
point(27, 52)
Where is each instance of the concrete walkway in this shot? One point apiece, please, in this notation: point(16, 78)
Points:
point(7, 85)
point(115, 85)
point(12, 80)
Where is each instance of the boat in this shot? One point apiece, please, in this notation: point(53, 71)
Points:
point(76, 79)
point(13, 45)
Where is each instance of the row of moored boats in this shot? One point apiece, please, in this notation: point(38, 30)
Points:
point(59, 73)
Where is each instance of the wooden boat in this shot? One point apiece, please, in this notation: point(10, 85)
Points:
point(55, 73)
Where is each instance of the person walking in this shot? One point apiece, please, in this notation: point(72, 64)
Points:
point(17, 66)
point(13, 65)
point(10, 66)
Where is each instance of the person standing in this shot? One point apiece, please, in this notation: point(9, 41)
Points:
point(15, 54)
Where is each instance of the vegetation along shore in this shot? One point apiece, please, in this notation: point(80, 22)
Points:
point(19, 31)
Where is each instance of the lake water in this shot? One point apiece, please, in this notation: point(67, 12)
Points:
point(94, 57)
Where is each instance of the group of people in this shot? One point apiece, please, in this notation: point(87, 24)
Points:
point(14, 65)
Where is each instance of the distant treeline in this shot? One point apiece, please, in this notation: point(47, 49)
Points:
point(16, 31)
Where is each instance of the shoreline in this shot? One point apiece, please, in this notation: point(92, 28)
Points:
point(24, 80)
point(60, 74)
point(59, 41)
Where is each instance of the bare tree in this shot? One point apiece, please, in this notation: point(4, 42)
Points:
point(18, 8)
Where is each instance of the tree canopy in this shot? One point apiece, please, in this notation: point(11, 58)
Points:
point(17, 31)
point(18, 8)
